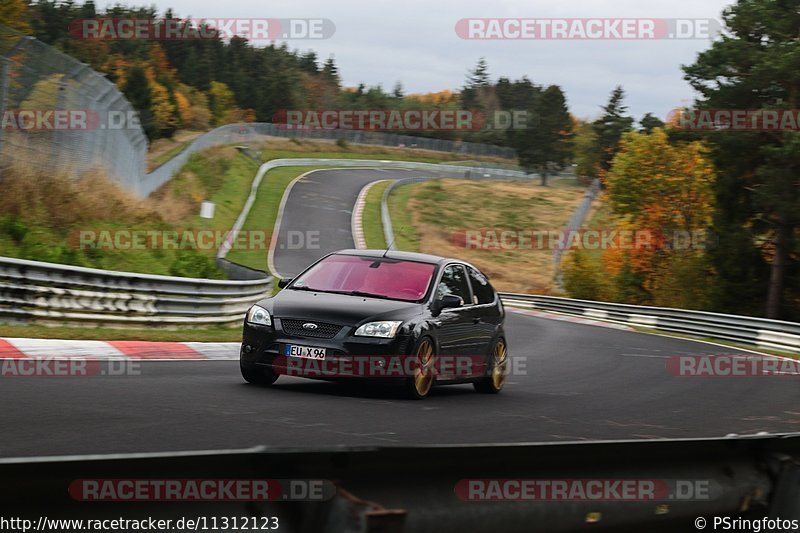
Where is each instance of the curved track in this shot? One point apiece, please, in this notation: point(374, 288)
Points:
point(579, 382)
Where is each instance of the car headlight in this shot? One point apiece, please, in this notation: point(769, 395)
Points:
point(258, 315)
point(385, 329)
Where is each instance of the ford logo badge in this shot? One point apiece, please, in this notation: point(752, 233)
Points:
point(310, 325)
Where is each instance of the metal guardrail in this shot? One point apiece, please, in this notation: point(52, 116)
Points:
point(750, 331)
point(49, 292)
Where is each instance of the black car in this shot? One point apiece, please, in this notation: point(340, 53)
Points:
point(416, 319)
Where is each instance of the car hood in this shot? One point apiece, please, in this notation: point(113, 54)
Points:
point(337, 308)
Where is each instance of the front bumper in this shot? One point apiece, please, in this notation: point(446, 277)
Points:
point(347, 355)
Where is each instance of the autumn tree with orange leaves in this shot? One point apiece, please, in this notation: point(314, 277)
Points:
point(662, 194)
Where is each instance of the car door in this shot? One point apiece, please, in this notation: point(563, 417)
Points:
point(486, 313)
point(454, 325)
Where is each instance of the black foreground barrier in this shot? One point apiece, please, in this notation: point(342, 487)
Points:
point(419, 489)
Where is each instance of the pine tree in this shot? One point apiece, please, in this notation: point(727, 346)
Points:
point(758, 196)
point(609, 129)
point(137, 91)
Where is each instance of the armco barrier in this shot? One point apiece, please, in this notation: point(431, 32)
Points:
point(751, 331)
point(48, 292)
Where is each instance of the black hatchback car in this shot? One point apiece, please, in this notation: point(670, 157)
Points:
point(416, 319)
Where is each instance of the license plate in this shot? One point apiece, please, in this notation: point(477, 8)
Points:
point(306, 352)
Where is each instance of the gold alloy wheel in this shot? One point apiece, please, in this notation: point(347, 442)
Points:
point(423, 374)
point(500, 359)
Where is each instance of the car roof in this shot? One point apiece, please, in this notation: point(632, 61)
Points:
point(403, 256)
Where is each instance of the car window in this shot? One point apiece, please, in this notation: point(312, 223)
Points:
point(454, 281)
point(483, 291)
point(387, 278)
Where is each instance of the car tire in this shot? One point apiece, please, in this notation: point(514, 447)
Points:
point(258, 376)
point(498, 361)
point(419, 386)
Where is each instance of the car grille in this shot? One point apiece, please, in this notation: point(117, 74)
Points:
point(323, 331)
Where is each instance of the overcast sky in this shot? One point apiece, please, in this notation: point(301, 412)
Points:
point(382, 41)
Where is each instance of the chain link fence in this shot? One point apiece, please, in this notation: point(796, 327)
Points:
point(60, 115)
point(386, 139)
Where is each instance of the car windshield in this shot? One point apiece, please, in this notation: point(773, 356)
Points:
point(368, 276)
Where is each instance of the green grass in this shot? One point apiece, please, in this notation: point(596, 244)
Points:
point(226, 182)
point(169, 154)
point(204, 334)
point(371, 218)
point(405, 233)
point(264, 212)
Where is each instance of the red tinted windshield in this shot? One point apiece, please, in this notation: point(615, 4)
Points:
point(388, 278)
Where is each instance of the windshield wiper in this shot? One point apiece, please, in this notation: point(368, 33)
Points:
point(308, 289)
point(362, 293)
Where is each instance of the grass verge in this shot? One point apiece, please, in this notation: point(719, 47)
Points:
point(263, 214)
point(371, 218)
point(439, 211)
point(405, 232)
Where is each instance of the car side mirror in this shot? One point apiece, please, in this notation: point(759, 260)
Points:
point(283, 282)
point(447, 302)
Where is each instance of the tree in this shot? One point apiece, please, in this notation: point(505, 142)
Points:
point(331, 72)
point(755, 67)
point(649, 122)
point(165, 112)
point(137, 91)
point(609, 129)
point(478, 84)
point(586, 161)
point(308, 62)
point(545, 146)
point(664, 192)
point(14, 14)
point(221, 101)
point(479, 76)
